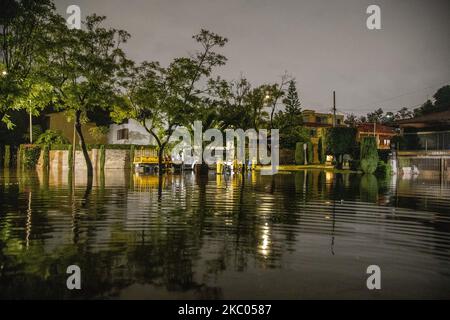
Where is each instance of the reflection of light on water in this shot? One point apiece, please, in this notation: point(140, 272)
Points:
point(328, 176)
point(264, 247)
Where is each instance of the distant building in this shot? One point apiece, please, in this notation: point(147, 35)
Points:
point(425, 144)
point(428, 132)
point(383, 134)
point(317, 123)
point(129, 132)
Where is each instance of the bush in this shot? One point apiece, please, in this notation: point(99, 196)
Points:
point(321, 151)
point(50, 137)
point(384, 155)
point(383, 169)
point(339, 141)
point(310, 152)
point(369, 155)
point(29, 155)
point(354, 165)
point(299, 154)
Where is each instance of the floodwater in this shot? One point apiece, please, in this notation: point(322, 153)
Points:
point(307, 234)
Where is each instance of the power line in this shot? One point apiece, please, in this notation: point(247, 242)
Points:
point(396, 97)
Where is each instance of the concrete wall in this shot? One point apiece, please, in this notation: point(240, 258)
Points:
point(114, 159)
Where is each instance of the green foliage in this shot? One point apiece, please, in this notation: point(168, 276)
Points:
point(22, 56)
point(29, 155)
point(299, 154)
point(50, 137)
point(99, 132)
point(36, 130)
point(321, 151)
point(441, 102)
point(292, 103)
point(354, 164)
point(383, 170)
point(310, 152)
point(162, 98)
point(102, 157)
point(340, 141)
point(369, 155)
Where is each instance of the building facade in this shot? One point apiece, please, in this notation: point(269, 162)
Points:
point(383, 134)
point(317, 123)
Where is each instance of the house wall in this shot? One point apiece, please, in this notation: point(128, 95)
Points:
point(58, 122)
point(136, 134)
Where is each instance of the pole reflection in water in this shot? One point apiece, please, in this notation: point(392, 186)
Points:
point(294, 235)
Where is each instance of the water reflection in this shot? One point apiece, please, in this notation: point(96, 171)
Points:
point(308, 234)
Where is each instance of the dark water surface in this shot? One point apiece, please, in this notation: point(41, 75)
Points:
point(295, 235)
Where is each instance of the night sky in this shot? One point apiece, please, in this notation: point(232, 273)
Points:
point(325, 45)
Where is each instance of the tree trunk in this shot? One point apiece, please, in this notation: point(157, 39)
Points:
point(160, 159)
point(90, 169)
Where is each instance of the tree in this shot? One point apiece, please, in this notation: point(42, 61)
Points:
point(442, 99)
point(369, 155)
point(351, 120)
point(292, 105)
point(375, 116)
point(441, 102)
point(161, 99)
point(83, 68)
point(403, 113)
point(321, 151)
point(290, 120)
point(276, 91)
point(22, 26)
point(340, 141)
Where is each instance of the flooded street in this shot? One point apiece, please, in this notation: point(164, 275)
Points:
point(307, 234)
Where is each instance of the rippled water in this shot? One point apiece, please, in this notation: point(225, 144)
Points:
point(308, 234)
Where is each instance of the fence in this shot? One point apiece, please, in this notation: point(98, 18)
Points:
point(428, 141)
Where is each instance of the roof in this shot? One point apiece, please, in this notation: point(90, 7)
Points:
point(379, 128)
point(428, 119)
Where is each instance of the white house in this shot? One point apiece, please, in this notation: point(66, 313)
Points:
point(129, 132)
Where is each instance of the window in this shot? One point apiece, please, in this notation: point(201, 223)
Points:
point(122, 134)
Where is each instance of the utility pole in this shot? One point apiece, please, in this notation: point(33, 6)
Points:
point(334, 108)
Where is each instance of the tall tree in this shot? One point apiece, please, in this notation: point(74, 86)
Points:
point(351, 120)
point(441, 102)
point(375, 116)
point(22, 46)
point(83, 68)
point(292, 105)
point(403, 113)
point(162, 99)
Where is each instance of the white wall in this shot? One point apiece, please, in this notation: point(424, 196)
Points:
point(136, 134)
